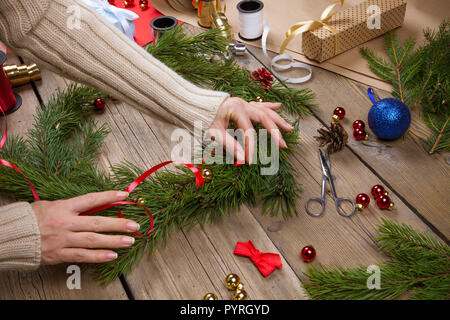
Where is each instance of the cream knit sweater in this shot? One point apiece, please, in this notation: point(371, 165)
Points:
point(97, 54)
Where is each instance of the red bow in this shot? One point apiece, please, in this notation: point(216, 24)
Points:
point(265, 262)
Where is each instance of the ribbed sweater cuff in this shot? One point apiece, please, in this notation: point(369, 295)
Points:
point(20, 243)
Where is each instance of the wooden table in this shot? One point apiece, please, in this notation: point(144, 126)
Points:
point(196, 262)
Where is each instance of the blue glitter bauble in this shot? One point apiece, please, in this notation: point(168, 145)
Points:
point(389, 118)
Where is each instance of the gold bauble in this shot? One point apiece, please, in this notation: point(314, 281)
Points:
point(240, 286)
point(207, 174)
point(391, 206)
point(335, 118)
point(232, 281)
point(210, 296)
point(240, 295)
point(139, 200)
point(260, 99)
point(360, 207)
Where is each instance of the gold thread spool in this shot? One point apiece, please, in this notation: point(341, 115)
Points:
point(19, 75)
point(206, 8)
point(220, 21)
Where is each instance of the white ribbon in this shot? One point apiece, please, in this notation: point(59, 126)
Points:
point(121, 18)
point(274, 63)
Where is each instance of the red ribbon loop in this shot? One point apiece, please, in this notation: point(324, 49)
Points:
point(265, 262)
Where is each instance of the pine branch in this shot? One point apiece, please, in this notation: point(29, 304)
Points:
point(203, 61)
point(419, 268)
point(420, 76)
point(59, 155)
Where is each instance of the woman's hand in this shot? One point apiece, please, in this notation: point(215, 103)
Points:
point(68, 237)
point(243, 113)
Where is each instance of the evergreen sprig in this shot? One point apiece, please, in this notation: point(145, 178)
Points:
point(59, 156)
point(420, 76)
point(419, 269)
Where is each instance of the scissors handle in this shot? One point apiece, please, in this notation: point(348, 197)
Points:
point(338, 202)
point(322, 205)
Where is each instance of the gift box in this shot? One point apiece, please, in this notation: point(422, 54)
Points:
point(351, 27)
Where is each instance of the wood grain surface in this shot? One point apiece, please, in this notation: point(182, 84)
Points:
point(196, 262)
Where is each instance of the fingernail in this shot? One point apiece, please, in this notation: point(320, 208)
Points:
point(122, 194)
point(128, 241)
point(283, 143)
point(111, 255)
point(133, 226)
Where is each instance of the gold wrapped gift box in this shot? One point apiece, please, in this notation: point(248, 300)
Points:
point(348, 28)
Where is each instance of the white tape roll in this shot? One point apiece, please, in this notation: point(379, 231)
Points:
point(251, 19)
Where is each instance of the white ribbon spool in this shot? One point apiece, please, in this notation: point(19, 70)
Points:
point(250, 19)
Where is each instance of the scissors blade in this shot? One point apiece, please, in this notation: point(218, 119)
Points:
point(325, 162)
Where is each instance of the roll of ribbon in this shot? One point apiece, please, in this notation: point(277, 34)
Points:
point(10, 101)
point(162, 24)
point(250, 19)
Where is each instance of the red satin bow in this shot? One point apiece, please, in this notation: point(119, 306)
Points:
point(265, 262)
point(198, 179)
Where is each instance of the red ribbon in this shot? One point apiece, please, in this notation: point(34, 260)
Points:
point(265, 262)
point(198, 179)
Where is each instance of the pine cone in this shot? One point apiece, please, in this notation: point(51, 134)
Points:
point(334, 137)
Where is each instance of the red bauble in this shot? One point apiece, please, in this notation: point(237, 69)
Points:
point(338, 113)
point(359, 124)
point(143, 4)
point(360, 134)
point(128, 3)
point(111, 1)
point(99, 104)
point(264, 77)
point(362, 201)
point(377, 191)
point(384, 202)
point(308, 253)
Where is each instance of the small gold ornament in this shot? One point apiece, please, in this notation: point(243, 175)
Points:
point(232, 281)
point(391, 206)
point(139, 200)
point(207, 174)
point(240, 295)
point(240, 286)
point(335, 118)
point(260, 99)
point(210, 296)
point(360, 207)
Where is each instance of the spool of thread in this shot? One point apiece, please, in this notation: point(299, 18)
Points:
point(162, 24)
point(206, 8)
point(251, 19)
point(9, 101)
point(19, 75)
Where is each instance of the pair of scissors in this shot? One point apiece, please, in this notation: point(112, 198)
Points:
point(325, 162)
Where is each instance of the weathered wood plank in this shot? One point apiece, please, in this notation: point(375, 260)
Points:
point(420, 180)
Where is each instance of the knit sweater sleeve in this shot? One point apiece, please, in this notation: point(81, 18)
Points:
point(100, 55)
point(20, 243)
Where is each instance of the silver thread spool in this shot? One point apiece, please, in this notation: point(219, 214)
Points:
point(162, 24)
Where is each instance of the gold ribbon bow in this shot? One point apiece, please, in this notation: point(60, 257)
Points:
point(311, 25)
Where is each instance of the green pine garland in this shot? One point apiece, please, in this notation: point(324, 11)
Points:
point(59, 154)
point(420, 76)
point(419, 269)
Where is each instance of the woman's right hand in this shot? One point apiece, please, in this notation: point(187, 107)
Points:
point(68, 237)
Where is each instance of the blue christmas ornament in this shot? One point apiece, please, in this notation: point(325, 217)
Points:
point(388, 118)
